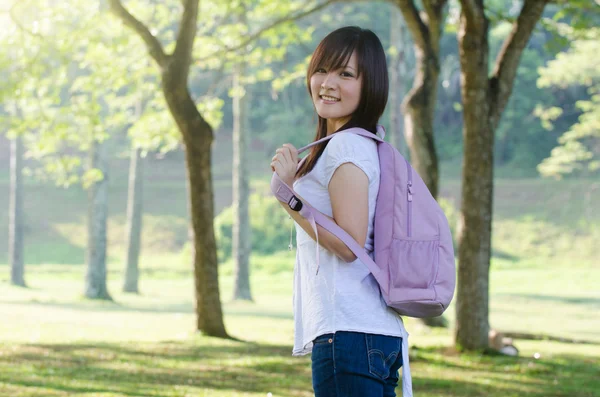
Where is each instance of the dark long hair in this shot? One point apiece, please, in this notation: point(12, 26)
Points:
point(334, 52)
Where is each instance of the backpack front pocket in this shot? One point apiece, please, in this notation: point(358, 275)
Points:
point(416, 263)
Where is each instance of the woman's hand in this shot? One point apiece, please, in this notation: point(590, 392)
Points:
point(285, 163)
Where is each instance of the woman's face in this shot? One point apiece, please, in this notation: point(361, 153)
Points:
point(336, 93)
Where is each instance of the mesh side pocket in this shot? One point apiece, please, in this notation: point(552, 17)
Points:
point(416, 263)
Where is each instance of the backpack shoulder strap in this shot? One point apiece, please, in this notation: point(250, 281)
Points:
point(357, 131)
point(347, 239)
point(286, 194)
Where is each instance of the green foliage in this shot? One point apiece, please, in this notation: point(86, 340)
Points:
point(84, 74)
point(579, 146)
point(83, 81)
point(270, 227)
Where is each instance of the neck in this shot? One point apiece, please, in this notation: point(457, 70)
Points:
point(334, 124)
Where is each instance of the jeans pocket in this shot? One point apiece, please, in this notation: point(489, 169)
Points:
point(383, 351)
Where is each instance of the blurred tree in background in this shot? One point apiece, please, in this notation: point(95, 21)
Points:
point(579, 146)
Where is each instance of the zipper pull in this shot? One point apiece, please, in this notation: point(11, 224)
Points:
point(410, 192)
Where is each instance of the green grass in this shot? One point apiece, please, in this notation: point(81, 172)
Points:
point(544, 279)
point(55, 343)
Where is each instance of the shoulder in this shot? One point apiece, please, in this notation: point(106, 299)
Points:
point(349, 138)
point(351, 148)
point(345, 144)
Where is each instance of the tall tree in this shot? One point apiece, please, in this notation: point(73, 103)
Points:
point(241, 225)
point(95, 279)
point(426, 28)
point(15, 224)
point(134, 220)
point(197, 137)
point(484, 98)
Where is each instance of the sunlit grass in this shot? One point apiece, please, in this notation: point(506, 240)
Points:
point(55, 343)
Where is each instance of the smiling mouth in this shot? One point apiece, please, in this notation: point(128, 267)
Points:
point(329, 98)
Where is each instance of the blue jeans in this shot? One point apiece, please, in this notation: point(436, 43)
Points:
point(354, 364)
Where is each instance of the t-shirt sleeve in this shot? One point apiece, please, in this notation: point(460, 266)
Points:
point(349, 148)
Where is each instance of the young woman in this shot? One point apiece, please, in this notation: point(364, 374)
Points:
point(358, 344)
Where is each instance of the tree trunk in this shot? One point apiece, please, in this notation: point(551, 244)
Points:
point(474, 252)
point(241, 224)
point(134, 220)
point(198, 137)
point(418, 124)
point(484, 99)
point(419, 104)
point(97, 215)
point(398, 38)
point(15, 233)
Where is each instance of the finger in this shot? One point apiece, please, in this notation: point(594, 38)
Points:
point(273, 165)
point(280, 156)
point(278, 167)
point(293, 151)
point(287, 154)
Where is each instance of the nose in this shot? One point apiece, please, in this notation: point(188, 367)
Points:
point(328, 81)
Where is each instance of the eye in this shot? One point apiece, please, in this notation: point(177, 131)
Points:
point(346, 74)
point(320, 70)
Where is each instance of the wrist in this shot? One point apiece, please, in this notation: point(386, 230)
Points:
point(289, 182)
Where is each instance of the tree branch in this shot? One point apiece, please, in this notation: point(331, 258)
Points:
point(435, 21)
point(415, 24)
point(275, 23)
point(154, 47)
point(182, 55)
point(473, 12)
point(507, 62)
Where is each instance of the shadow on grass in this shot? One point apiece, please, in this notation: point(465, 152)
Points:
point(178, 308)
point(572, 300)
point(161, 369)
point(156, 369)
point(484, 375)
point(498, 254)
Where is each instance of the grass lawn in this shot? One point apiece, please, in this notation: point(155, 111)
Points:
point(54, 343)
point(545, 279)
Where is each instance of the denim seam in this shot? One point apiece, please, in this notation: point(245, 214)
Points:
point(372, 369)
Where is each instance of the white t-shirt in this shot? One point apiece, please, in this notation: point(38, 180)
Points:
point(342, 296)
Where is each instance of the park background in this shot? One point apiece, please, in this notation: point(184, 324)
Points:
point(96, 200)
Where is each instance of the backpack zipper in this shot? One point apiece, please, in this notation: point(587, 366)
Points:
point(410, 199)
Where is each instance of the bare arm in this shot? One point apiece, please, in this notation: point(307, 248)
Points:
point(349, 193)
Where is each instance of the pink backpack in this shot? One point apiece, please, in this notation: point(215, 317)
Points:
point(414, 257)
